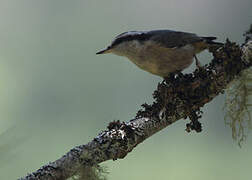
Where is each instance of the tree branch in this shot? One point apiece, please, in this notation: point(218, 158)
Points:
point(179, 96)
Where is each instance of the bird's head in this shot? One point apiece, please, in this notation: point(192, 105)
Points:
point(125, 43)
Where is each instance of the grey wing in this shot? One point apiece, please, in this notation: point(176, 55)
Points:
point(171, 39)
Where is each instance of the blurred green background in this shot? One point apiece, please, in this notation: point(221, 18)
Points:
point(55, 93)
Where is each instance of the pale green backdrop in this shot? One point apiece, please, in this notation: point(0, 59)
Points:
point(55, 93)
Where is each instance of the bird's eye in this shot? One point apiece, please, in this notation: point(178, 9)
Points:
point(117, 41)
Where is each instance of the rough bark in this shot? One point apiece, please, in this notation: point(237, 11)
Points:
point(179, 96)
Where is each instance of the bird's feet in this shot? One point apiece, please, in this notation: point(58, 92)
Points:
point(197, 62)
point(172, 76)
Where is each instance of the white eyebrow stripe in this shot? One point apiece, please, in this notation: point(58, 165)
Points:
point(130, 33)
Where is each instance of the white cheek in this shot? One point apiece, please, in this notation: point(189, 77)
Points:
point(120, 49)
point(136, 44)
point(128, 48)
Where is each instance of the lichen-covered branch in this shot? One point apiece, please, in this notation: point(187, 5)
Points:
point(178, 96)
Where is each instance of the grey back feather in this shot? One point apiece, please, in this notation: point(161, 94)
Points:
point(171, 39)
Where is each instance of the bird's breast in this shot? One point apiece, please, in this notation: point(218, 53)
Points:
point(162, 61)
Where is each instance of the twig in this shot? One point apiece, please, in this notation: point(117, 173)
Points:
point(177, 97)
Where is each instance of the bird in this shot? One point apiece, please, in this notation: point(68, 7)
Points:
point(160, 52)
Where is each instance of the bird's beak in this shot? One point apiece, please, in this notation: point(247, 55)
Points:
point(105, 51)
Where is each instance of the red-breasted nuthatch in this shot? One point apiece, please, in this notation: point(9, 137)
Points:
point(159, 52)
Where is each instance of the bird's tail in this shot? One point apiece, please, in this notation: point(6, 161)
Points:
point(210, 41)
